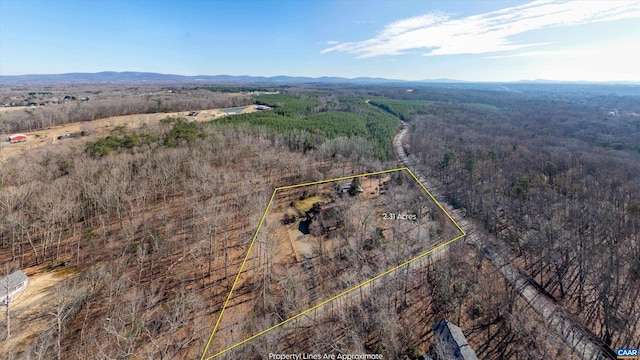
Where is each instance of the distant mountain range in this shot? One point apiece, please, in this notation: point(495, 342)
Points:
point(134, 77)
point(148, 77)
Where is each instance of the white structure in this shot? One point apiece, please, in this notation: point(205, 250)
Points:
point(12, 284)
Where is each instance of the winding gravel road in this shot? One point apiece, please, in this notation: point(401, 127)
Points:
point(559, 318)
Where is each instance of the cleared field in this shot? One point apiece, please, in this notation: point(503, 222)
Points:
point(41, 138)
point(11, 108)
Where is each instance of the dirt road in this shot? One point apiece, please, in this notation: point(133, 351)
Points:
point(577, 336)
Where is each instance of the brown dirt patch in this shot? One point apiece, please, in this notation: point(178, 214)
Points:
point(371, 186)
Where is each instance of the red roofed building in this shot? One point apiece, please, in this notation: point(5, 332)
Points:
point(15, 138)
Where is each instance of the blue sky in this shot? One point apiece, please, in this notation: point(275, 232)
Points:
point(594, 40)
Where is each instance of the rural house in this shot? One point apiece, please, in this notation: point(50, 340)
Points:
point(327, 219)
point(450, 342)
point(12, 284)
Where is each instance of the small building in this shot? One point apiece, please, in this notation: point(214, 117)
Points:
point(327, 219)
point(263, 107)
point(450, 343)
point(11, 285)
point(349, 188)
point(72, 135)
point(16, 138)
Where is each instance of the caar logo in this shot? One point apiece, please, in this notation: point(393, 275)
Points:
point(627, 353)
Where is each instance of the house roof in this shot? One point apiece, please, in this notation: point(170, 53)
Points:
point(328, 217)
point(451, 338)
point(11, 282)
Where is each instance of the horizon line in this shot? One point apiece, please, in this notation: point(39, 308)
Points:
point(441, 80)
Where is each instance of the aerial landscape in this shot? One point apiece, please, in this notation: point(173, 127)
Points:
point(234, 180)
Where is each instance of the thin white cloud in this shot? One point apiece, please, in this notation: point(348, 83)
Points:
point(545, 53)
point(439, 34)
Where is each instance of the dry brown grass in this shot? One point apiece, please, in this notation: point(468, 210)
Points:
point(11, 108)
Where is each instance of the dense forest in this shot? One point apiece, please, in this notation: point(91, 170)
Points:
point(324, 116)
point(139, 234)
point(556, 179)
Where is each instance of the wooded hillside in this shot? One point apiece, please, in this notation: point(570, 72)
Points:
point(140, 233)
point(557, 180)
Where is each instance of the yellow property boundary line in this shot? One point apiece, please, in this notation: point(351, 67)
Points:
point(264, 215)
